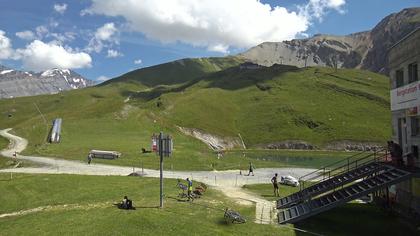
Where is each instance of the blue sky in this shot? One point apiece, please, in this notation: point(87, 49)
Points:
point(106, 38)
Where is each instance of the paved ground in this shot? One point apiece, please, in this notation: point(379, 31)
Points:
point(229, 182)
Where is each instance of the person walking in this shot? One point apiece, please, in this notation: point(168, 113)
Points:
point(89, 158)
point(251, 169)
point(189, 190)
point(275, 185)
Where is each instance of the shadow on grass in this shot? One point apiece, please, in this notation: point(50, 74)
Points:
point(222, 222)
point(269, 195)
point(147, 207)
point(355, 219)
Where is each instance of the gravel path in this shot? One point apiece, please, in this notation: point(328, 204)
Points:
point(229, 182)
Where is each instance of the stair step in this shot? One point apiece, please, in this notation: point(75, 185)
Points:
point(331, 198)
point(293, 212)
point(339, 195)
point(281, 216)
point(383, 178)
point(378, 180)
point(390, 175)
point(324, 201)
point(364, 185)
point(300, 210)
point(336, 196)
point(358, 188)
point(350, 191)
point(344, 193)
point(370, 182)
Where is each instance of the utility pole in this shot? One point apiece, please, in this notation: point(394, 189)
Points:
point(164, 148)
point(161, 168)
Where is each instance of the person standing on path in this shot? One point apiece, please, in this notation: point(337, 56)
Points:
point(275, 185)
point(251, 169)
point(89, 158)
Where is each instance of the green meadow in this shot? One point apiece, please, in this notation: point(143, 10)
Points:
point(280, 103)
point(84, 205)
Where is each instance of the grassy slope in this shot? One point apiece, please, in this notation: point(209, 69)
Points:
point(349, 104)
point(315, 105)
point(350, 219)
point(204, 216)
point(3, 144)
point(177, 72)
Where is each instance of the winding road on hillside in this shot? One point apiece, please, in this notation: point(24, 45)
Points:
point(230, 182)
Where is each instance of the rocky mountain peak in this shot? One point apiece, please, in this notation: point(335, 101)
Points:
point(15, 83)
point(366, 50)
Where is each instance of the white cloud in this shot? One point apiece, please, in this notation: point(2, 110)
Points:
point(39, 56)
point(336, 4)
point(42, 31)
point(63, 37)
point(6, 50)
point(113, 53)
point(214, 24)
point(102, 78)
point(26, 35)
point(60, 8)
point(318, 8)
point(219, 48)
point(104, 36)
point(106, 32)
point(138, 61)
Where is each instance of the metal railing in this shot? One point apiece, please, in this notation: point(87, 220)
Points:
point(341, 167)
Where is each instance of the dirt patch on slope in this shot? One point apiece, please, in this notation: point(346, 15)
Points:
point(215, 142)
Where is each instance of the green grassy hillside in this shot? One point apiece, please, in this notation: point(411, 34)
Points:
point(177, 72)
point(268, 105)
point(284, 103)
point(83, 205)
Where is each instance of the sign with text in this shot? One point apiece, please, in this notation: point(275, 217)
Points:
point(405, 97)
point(162, 144)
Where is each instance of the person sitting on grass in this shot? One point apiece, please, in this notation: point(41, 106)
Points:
point(126, 203)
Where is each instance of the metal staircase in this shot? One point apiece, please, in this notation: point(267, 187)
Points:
point(338, 184)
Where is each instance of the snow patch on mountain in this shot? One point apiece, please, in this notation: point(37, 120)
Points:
point(5, 72)
point(23, 83)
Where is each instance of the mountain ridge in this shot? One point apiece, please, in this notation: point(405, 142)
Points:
point(362, 50)
point(16, 83)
